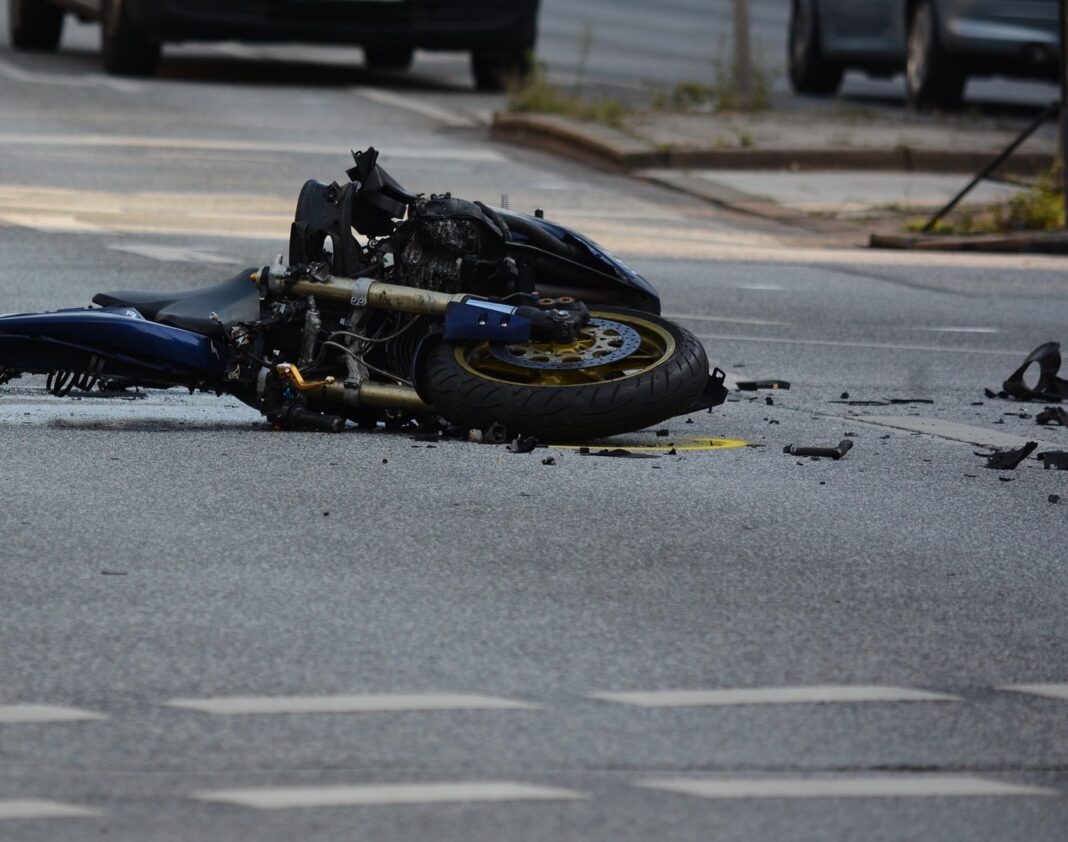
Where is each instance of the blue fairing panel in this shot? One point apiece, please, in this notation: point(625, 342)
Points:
point(121, 339)
point(596, 256)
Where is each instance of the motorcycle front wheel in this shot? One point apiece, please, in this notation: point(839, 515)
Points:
point(627, 370)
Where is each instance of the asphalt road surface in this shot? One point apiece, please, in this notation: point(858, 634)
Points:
point(209, 630)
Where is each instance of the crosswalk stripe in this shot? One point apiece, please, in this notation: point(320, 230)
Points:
point(283, 798)
point(880, 786)
point(368, 703)
point(36, 809)
point(1050, 691)
point(773, 696)
point(12, 714)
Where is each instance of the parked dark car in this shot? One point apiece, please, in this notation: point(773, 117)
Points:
point(938, 43)
point(500, 34)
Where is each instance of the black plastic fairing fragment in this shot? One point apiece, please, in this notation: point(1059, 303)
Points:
point(1049, 387)
point(712, 395)
point(836, 453)
point(754, 385)
point(1054, 459)
point(1052, 415)
point(1008, 460)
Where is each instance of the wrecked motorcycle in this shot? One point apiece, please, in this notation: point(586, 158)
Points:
point(447, 309)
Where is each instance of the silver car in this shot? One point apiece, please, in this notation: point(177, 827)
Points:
point(938, 43)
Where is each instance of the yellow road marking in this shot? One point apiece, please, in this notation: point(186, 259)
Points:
point(692, 444)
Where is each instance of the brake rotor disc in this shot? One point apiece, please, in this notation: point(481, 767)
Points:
point(600, 342)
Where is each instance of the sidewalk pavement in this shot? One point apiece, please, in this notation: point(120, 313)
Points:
point(841, 172)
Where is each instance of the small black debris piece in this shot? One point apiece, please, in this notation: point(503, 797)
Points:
point(971, 476)
point(1049, 388)
point(754, 385)
point(548, 460)
point(689, 421)
point(495, 433)
point(663, 433)
point(772, 421)
point(844, 396)
point(620, 453)
point(1017, 414)
point(1057, 459)
point(1000, 421)
point(1054, 498)
point(836, 453)
point(910, 400)
point(978, 403)
point(885, 437)
point(522, 444)
point(673, 452)
point(585, 451)
point(385, 461)
point(770, 401)
point(1007, 460)
point(1006, 479)
point(1052, 415)
point(863, 403)
point(851, 435)
point(113, 572)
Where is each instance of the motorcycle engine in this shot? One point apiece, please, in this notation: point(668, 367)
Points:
point(440, 234)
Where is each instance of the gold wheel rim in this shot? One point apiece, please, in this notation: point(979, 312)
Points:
point(656, 348)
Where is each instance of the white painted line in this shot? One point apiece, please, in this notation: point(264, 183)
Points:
point(21, 714)
point(424, 109)
point(774, 696)
point(882, 786)
point(966, 433)
point(33, 809)
point(284, 798)
point(370, 703)
point(1050, 691)
point(961, 329)
point(172, 254)
point(433, 153)
point(883, 346)
point(688, 317)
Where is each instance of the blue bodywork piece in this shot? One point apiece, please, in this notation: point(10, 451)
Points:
point(594, 255)
point(476, 321)
point(118, 341)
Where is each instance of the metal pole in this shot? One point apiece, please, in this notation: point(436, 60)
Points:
point(1064, 105)
point(1048, 112)
point(743, 66)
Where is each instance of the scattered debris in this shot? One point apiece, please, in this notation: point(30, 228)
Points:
point(495, 433)
point(385, 461)
point(1006, 479)
point(836, 453)
point(971, 476)
point(113, 572)
point(673, 452)
point(1049, 388)
point(326, 514)
point(978, 403)
point(1054, 498)
point(689, 421)
point(1052, 415)
point(1017, 414)
point(619, 453)
point(844, 396)
point(882, 401)
point(522, 444)
point(884, 437)
point(1007, 460)
point(1054, 459)
point(910, 400)
point(990, 393)
point(754, 385)
point(548, 460)
point(663, 433)
point(769, 401)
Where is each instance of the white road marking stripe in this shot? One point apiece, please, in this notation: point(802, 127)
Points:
point(83, 80)
point(370, 703)
point(774, 696)
point(435, 153)
point(284, 798)
point(882, 786)
point(10, 714)
point(950, 430)
point(961, 329)
point(1050, 691)
point(34, 809)
point(172, 254)
point(689, 317)
point(891, 346)
point(424, 109)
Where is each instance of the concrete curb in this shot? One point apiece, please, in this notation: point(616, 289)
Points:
point(1051, 242)
point(614, 149)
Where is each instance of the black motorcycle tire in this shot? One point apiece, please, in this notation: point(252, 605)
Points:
point(35, 25)
point(567, 413)
point(127, 49)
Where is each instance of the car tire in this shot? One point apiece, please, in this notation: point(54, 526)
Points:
point(494, 71)
point(34, 25)
point(128, 49)
point(932, 80)
point(810, 70)
point(388, 58)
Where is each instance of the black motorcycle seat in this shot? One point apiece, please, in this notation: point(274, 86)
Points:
point(233, 301)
